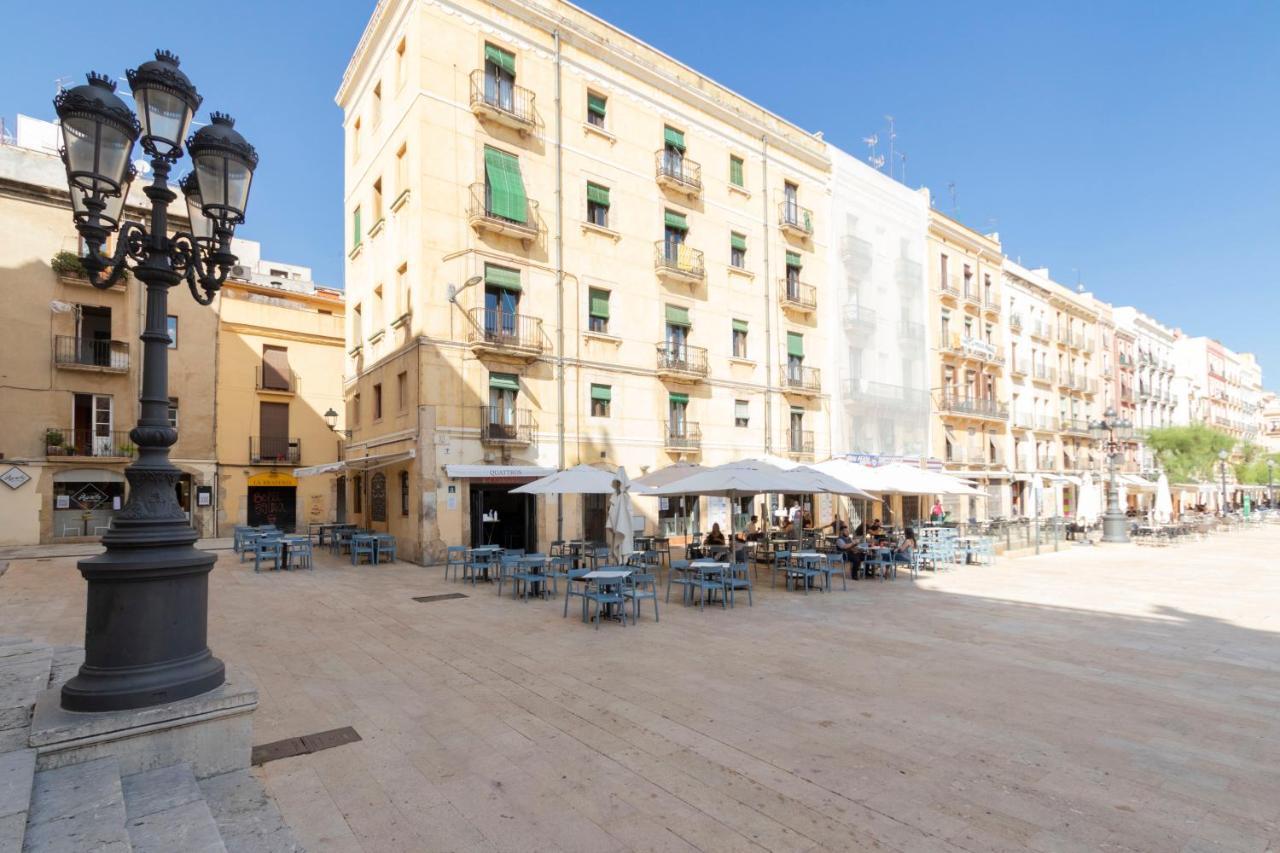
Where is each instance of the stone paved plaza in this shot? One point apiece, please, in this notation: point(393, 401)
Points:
point(1117, 699)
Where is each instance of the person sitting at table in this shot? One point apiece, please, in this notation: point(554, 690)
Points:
point(906, 547)
point(787, 530)
point(876, 528)
point(860, 531)
point(844, 544)
point(936, 514)
point(715, 537)
point(753, 530)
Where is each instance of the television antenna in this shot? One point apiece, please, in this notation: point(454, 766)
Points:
point(902, 156)
point(893, 135)
point(876, 160)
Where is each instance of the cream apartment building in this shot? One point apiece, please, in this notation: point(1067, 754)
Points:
point(71, 370)
point(565, 247)
point(1155, 381)
point(1221, 388)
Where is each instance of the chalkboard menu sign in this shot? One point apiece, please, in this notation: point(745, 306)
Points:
point(378, 498)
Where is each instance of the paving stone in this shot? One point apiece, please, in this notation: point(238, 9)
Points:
point(159, 790)
point(188, 828)
point(247, 818)
point(17, 769)
point(77, 808)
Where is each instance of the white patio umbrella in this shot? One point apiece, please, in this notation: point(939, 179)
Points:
point(910, 480)
point(664, 476)
point(860, 476)
point(1164, 500)
point(578, 480)
point(619, 523)
point(1090, 505)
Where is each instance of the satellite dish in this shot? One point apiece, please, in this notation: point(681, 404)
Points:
point(143, 167)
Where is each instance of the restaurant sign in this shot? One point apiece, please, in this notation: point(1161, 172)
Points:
point(14, 477)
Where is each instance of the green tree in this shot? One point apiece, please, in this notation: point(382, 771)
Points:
point(1188, 453)
point(1252, 467)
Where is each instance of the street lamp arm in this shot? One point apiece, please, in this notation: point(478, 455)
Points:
point(105, 272)
point(204, 269)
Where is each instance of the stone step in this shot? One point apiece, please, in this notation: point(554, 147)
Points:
point(24, 675)
point(17, 773)
point(66, 663)
point(77, 808)
point(166, 811)
point(247, 818)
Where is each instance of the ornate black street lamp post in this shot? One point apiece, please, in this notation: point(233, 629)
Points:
point(1110, 432)
point(1271, 491)
point(1222, 470)
point(146, 623)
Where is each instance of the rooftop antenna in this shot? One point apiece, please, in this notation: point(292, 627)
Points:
point(892, 136)
point(876, 160)
point(60, 82)
point(955, 207)
point(902, 155)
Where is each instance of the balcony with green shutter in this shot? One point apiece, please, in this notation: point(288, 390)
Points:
point(501, 426)
point(678, 174)
point(682, 437)
point(794, 220)
point(678, 262)
point(800, 380)
point(502, 333)
point(506, 104)
point(681, 362)
point(797, 296)
point(495, 209)
point(800, 445)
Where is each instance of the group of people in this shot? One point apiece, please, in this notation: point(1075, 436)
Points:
point(846, 543)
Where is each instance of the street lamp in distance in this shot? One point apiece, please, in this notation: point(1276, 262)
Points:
point(1222, 467)
point(1271, 491)
point(331, 419)
point(1111, 432)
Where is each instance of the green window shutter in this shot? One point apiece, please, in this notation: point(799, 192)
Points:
point(356, 233)
point(677, 316)
point(595, 104)
point(738, 241)
point(673, 137)
point(599, 303)
point(598, 194)
point(675, 220)
point(507, 279)
point(504, 381)
point(735, 171)
point(793, 260)
point(602, 392)
point(739, 325)
point(506, 188)
point(680, 399)
point(795, 344)
point(504, 59)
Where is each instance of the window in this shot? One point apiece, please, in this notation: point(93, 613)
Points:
point(946, 328)
point(376, 315)
point(173, 412)
point(504, 388)
point(377, 401)
point(794, 264)
point(357, 325)
point(402, 289)
point(791, 203)
point(738, 250)
point(673, 152)
point(739, 338)
point(402, 169)
point(355, 410)
point(678, 325)
point(595, 109)
point(404, 493)
point(499, 77)
point(943, 270)
point(504, 195)
point(276, 375)
point(357, 493)
point(601, 397)
point(356, 233)
point(501, 301)
point(355, 140)
point(401, 74)
point(735, 171)
point(377, 201)
point(597, 205)
point(741, 413)
point(377, 103)
point(795, 356)
point(676, 226)
point(171, 326)
point(598, 311)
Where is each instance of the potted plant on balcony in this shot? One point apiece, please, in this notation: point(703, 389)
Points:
point(67, 264)
point(53, 442)
point(125, 448)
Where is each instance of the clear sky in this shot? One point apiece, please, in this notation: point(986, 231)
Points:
point(1130, 145)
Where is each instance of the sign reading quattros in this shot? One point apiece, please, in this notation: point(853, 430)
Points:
point(273, 478)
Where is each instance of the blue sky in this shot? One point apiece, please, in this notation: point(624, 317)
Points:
point(1130, 145)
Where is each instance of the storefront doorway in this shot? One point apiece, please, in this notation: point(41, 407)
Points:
point(85, 500)
point(501, 518)
point(272, 499)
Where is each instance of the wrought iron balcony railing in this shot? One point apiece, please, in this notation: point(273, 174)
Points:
point(797, 378)
point(678, 172)
point(274, 450)
point(682, 435)
point(89, 442)
point(795, 219)
point(797, 295)
point(678, 260)
point(483, 216)
point(90, 354)
point(800, 442)
point(975, 406)
point(503, 102)
point(682, 359)
point(501, 330)
point(501, 425)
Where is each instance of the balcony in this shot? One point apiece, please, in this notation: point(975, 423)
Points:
point(678, 262)
point(682, 362)
point(794, 220)
point(858, 391)
point(481, 216)
point(1046, 423)
point(500, 425)
point(795, 296)
point(508, 105)
point(1022, 420)
point(1047, 462)
point(274, 450)
point(991, 305)
point(1041, 332)
point(797, 379)
point(976, 407)
point(800, 443)
point(502, 333)
point(682, 437)
point(858, 317)
point(950, 292)
point(974, 348)
point(678, 173)
point(88, 443)
point(1015, 322)
point(970, 293)
point(1020, 367)
point(96, 356)
point(911, 330)
point(275, 381)
point(1044, 375)
point(1079, 426)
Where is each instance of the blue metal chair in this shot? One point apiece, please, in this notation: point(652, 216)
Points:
point(363, 546)
point(576, 577)
point(832, 565)
point(781, 562)
point(605, 595)
point(508, 565)
point(527, 574)
point(386, 552)
point(805, 570)
point(300, 553)
point(738, 577)
point(477, 566)
point(558, 568)
point(638, 587)
point(238, 536)
point(264, 548)
point(455, 559)
point(248, 543)
point(708, 582)
point(676, 575)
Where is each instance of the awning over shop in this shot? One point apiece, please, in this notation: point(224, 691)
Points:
point(1133, 481)
point(362, 463)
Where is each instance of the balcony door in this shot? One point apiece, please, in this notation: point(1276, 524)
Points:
point(275, 368)
point(797, 430)
point(677, 341)
point(791, 203)
point(677, 415)
point(273, 431)
point(500, 308)
point(93, 335)
point(499, 78)
point(504, 392)
point(92, 422)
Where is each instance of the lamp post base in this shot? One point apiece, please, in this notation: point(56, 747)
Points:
point(1115, 527)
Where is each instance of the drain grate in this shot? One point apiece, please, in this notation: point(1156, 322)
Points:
point(427, 599)
point(303, 745)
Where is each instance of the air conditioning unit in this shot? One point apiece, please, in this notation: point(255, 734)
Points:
point(242, 272)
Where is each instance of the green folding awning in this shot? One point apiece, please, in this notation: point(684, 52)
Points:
point(506, 187)
point(738, 241)
point(673, 137)
point(793, 260)
point(739, 325)
point(602, 392)
point(595, 104)
point(682, 399)
point(505, 381)
point(504, 277)
point(677, 316)
point(504, 59)
point(735, 171)
point(795, 344)
point(599, 303)
point(598, 194)
point(675, 220)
